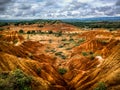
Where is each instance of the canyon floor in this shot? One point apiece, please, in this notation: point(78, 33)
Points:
point(59, 56)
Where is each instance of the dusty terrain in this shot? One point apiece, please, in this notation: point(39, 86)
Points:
point(89, 59)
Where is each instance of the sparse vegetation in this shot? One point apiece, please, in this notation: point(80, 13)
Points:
point(61, 46)
point(61, 55)
point(1, 29)
point(102, 24)
point(15, 80)
point(101, 86)
point(50, 40)
point(58, 34)
point(46, 48)
point(62, 71)
point(63, 39)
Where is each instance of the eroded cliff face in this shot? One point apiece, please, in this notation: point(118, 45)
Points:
point(106, 73)
point(91, 64)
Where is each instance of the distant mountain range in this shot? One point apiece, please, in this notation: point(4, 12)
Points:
point(95, 19)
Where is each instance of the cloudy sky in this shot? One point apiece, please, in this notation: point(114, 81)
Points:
point(43, 9)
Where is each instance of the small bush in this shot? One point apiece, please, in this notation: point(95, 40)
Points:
point(58, 34)
point(1, 29)
point(28, 32)
point(101, 86)
point(15, 41)
point(38, 71)
point(53, 51)
point(50, 41)
point(84, 53)
point(91, 52)
point(50, 32)
point(81, 40)
point(61, 55)
point(92, 57)
point(62, 71)
point(61, 46)
point(71, 39)
point(63, 39)
point(58, 53)
point(68, 48)
point(1, 35)
point(21, 31)
point(33, 32)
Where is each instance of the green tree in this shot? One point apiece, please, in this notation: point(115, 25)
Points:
point(28, 32)
point(50, 32)
point(21, 31)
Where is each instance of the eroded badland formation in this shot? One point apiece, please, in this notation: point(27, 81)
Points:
point(58, 56)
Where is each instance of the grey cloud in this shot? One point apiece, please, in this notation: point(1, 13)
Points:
point(52, 4)
point(104, 9)
point(49, 3)
point(4, 1)
point(24, 6)
point(3, 4)
point(77, 5)
point(118, 3)
point(59, 8)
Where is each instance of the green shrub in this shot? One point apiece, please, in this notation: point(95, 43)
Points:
point(53, 51)
point(58, 34)
point(68, 48)
point(15, 41)
point(101, 86)
point(1, 35)
point(84, 53)
point(91, 52)
point(63, 39)
point(33, 32)
point(21, 31)
point(71, 39)
point(92, 57)
point(81, 40)
point(58, 53)
point(15, 80)
point(40, 26)
point(1, 29)
point(38, 71)
point(62, 71)
point(50, 41)
point(63, 56)
point(50, 32)
point(61, 46)
point(28, 32)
